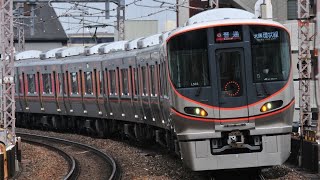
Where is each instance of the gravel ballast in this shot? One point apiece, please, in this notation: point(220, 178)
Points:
point(41, 163)
point(151, 162)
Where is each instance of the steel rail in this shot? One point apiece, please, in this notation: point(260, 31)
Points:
point(73, 165)
point(116, 171)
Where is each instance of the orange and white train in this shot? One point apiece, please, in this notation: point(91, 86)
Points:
point(218, 91)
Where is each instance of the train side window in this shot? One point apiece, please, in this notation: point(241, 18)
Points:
point(153, 80)
point(47, 83)
point(31, 84)
point(74, 83)
point(60, 79)
point(144, 81)
point(112, 74)
point(124, 82)
point(88, 83)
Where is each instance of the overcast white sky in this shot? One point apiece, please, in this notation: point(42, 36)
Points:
point(136, 11)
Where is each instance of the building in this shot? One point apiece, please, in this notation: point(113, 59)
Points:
point(47, 32)
point(138, 28)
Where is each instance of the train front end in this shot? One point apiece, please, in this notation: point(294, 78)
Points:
point(232, 96)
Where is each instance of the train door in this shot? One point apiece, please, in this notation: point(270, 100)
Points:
point(231, 78)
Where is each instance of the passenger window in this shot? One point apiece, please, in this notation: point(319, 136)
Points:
point(88, 83)
point(144, 81)
point(31, 84)
point(153, 80)
point(47, 83)
point(112, 74)
point(124, 77)
point(74, 83)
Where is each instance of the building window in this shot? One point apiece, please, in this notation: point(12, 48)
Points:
point(292, 9)
point(88, 83)
point(74, 83)
point(47, 84)
point(31, 84)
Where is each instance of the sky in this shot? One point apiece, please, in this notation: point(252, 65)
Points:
point(86, 14)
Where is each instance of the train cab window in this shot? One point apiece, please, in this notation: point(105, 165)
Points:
point(31, 84)
point(47, 83)
point(153, 81)
point(88, 82)
point(188, 62)
point(144, 81)
point(74, 83)
point(113, 84)
point(124, 82)
point(270, 50)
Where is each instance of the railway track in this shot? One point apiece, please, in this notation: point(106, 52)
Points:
point(84, 161)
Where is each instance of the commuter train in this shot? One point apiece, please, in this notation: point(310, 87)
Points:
point(218, 90)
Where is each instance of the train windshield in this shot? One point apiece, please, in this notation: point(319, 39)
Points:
point(270, 54)
point(188, 54)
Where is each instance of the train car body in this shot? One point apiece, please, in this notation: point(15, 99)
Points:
point(218, 90)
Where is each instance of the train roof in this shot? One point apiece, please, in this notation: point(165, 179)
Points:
point(209, 19)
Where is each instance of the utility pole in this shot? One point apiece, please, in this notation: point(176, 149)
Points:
point(8, 108)
point(304, 65)
point(20, 27)
point(318, 76)
point(120, 19)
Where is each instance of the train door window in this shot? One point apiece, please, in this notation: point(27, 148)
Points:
point(88, 83)
point(47, 83)
point(112, 74)
point(67, 83)
point(230, 73)
point(31, 83)
point(60, 79)
point(54, 79)
point(152, 80)
point(165, 84)
point(106, 82)
point(74, 83)
point(124, 83)
point(100, 81)
point(144, 80)
point(21, 83)
point(136, 81)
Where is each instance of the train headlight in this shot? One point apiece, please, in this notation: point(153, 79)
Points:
point(271, 105)
point(197, 111)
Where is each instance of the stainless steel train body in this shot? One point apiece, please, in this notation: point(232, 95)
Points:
point(218, 91)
